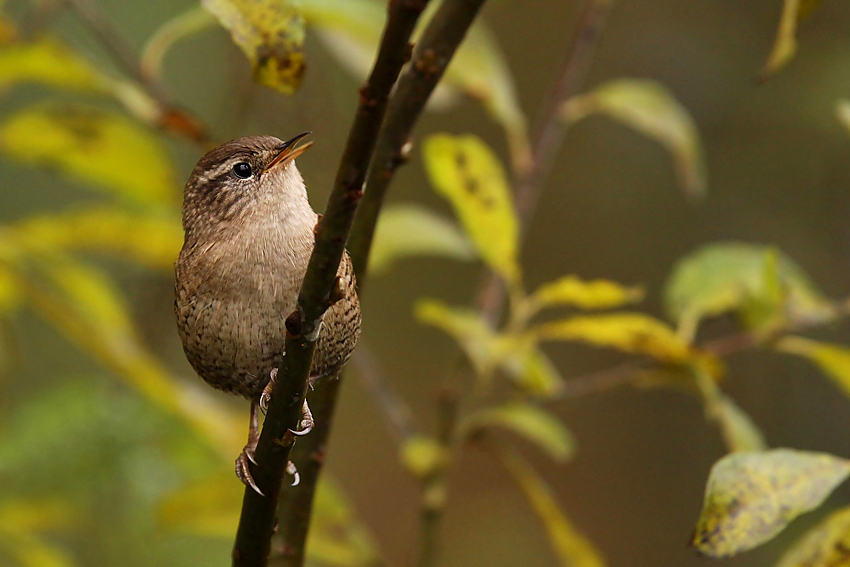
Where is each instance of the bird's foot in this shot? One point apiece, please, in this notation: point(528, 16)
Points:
point(290, 469)
point(266, 396)
point(307, 422)
point(243, 470)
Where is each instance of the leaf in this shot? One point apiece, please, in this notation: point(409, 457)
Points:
point(530, 369)
point(751, 497)
point(529, 421)
point(10, 290)
point(842, 111)
point(423, 456)
point(478, 341)
point(597, 294)
point(411, 230)
point(465, 171)
point(739, 431)
point(825, 545)
point(208, 508)
point(832, 359)
point(192, 21)
point(570, 546)
point(48, 62)
point(629, 332)
point(100, 148)
point(152, 240)
point(725, 276)
point(336, 538)
point(270, 33)
point(785, 45)
point(649, 108)
point(20, 524)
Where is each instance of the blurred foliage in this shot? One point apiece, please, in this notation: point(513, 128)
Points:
point(150, 457)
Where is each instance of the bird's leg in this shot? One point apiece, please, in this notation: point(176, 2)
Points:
point(307, 422)
point(243, 471)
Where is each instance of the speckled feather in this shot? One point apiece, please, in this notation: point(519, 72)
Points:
point(247, 245)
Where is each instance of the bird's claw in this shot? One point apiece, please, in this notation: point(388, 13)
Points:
point(266, 396)
point(243, 469)
point(307, 422)
point(290, 469)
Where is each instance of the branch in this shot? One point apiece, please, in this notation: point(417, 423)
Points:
point(431, 57)
point(257, 521)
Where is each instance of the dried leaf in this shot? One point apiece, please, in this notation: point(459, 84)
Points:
point(411, 230)
point(571, 547)
point(726, 276)
point(825, 545)
point(151, 239)
point(529, 421)
point(629, 332)
point(785, 46)
point(832, 359)
point(597, 294)
point(751, 497)
point(100, 148)
point(270, 33)
point(465, 171)
point(47, 62)
point(423, 456)
point(649, 108)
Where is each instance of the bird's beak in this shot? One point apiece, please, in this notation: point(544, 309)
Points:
point(289, 151)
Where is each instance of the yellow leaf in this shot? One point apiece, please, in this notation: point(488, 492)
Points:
point(726, 276)
point(529, 421)
point(467, 328)
point(411, 230)
point(739, 431)
point(270, 33)
point(571, 547)
point(649, 108)
point(37, 515)
point(45, 61)
point(206, 508)
point(785, 45)
point(833, 360)
point(530, 368)
point(423, 456)
point(101, 148)
point(20, 522)
point(630, 332)
point(751, 497)
point(825, 545)
point(597, 294)
point(336, 538)
point(10, 290)
point(465, 171)
point(151, 239)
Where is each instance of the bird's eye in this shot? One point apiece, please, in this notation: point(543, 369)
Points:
point(242, 170)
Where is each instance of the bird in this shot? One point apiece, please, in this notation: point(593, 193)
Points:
point(249, 231)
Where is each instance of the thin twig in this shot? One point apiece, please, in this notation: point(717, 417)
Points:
point(431, 57)
point(549, 137)
point(170, 117)
point(257, 521)
point(397, 412)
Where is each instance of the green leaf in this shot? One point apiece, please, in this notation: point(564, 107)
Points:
point(832, 359)
point(596, 294)
point(530, 422)
point(751, 497)
point(825, 545)
point(48, 62)
point(270, 33)
point(150, 239)
point(571, 547)
point(98, 147)
point(411, 230)
point(727, 276)
point(785, 45)
point(649, 108)
point(423, 456)
point(629, 332)
point(465, 171)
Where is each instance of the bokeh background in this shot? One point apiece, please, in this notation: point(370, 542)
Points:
point(778, 173)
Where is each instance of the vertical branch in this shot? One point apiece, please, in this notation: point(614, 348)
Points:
point(258, 517)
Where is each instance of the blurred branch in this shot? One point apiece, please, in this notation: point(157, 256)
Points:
point(171, 118)
point(550, 135)
point(397, 412)
point(431, 57)
point(257, 521)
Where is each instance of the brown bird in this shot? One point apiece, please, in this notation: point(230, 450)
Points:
point(248, 238)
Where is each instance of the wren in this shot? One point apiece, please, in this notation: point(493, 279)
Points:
point(249, 233)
